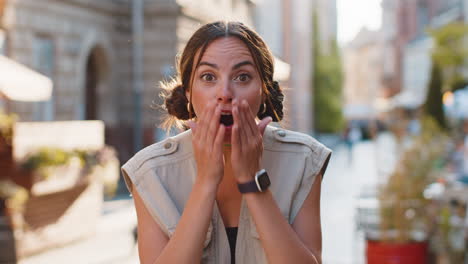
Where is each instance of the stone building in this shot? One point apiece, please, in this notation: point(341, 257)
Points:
point(407, 46)
point(286, 25)
point(362, 65)
point(85, 47)
point(407, 51)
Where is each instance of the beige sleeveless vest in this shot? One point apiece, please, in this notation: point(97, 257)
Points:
point(163, 175)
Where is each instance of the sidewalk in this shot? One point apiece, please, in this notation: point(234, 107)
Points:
point(113, 241)
point(368, 166)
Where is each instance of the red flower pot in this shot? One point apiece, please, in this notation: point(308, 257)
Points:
point(395, 253)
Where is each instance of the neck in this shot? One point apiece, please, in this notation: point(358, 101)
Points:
point(227, 153)
point(227, 158)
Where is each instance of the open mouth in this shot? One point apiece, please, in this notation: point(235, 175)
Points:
point(226, 119)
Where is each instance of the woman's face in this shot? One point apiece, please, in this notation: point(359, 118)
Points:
point(226, 72)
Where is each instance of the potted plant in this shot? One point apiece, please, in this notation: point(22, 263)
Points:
point(51, 169)
point(13, 198)
point(12, 203)
point(6, 149)
point(405, 216)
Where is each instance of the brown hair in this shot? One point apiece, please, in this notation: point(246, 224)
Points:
point(179, 106)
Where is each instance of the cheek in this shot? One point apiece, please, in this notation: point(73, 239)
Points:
point(256, 105)
point(254, 98)
point(199, 100)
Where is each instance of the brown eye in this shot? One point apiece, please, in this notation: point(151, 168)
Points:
point(208, 77)
point(242, 77)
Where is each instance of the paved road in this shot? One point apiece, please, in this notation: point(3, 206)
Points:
point(344, 179)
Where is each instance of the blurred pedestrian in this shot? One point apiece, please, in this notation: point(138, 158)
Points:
point(353, 135)
point(231, 188)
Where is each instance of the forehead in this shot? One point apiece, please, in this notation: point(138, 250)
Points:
point(228, 48)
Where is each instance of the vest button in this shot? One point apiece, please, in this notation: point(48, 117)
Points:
point(281, 133)
point(168, 145)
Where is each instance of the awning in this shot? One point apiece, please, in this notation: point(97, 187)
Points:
point(359, 111)
point(407, 99)
point(20, 83)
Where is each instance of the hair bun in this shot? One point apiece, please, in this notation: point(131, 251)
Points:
point(176, 103)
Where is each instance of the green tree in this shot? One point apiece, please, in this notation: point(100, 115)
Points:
point(450, 53)
point(433, 105)
point(327, 85)
point(449, 61)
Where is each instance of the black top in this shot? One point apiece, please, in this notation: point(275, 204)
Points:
point(232, 237)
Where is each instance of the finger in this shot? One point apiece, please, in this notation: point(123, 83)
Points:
point(205, 121)
point(236, 141)
point(250, 119)
point(199, 120)
point(192, 125)
point(214, 124)
point(218, 142)
point(263, 124)
point(244, 131)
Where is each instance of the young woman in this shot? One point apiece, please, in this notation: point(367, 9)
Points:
point(231, 189)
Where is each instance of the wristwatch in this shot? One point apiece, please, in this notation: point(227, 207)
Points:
point(259, 184)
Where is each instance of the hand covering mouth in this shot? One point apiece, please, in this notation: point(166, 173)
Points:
point(226, 119)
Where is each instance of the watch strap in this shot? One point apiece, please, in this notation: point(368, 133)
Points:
point(248, 187)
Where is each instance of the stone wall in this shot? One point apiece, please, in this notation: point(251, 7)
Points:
point(74, 31)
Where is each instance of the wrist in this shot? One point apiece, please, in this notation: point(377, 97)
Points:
point(244, 178)
point(259, 183)
point(207, 187)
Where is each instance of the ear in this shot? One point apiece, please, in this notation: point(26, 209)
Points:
point(187, 94)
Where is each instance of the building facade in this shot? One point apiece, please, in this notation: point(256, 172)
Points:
point(412, 44)
point(402, 21)
point(363, 67)
point(85, 47)
point(286, 25)
point(404, 27)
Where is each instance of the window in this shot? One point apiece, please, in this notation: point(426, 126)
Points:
point(423, 16)
point(44, 62)
point(2, 42)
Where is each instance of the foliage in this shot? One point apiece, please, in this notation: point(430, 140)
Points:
point(52, 157)
point(7, 122)
point(403, 208)
point(450, 53)
point(433, 105)
point(14, 194)
point(327, 85)
point(99, 164)
point(47, 157)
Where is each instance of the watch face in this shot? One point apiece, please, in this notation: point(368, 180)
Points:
point(264, 180)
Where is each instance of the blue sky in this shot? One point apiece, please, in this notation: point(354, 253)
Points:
point(355, 14)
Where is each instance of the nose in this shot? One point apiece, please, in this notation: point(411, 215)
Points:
point(224, 94)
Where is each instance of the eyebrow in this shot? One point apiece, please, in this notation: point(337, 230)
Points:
point(238, 65)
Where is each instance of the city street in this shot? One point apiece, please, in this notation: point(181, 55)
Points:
point(113, 242)
point(342, 243)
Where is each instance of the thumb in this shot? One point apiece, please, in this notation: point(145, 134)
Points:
point(263, 123)
point(192, 125)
